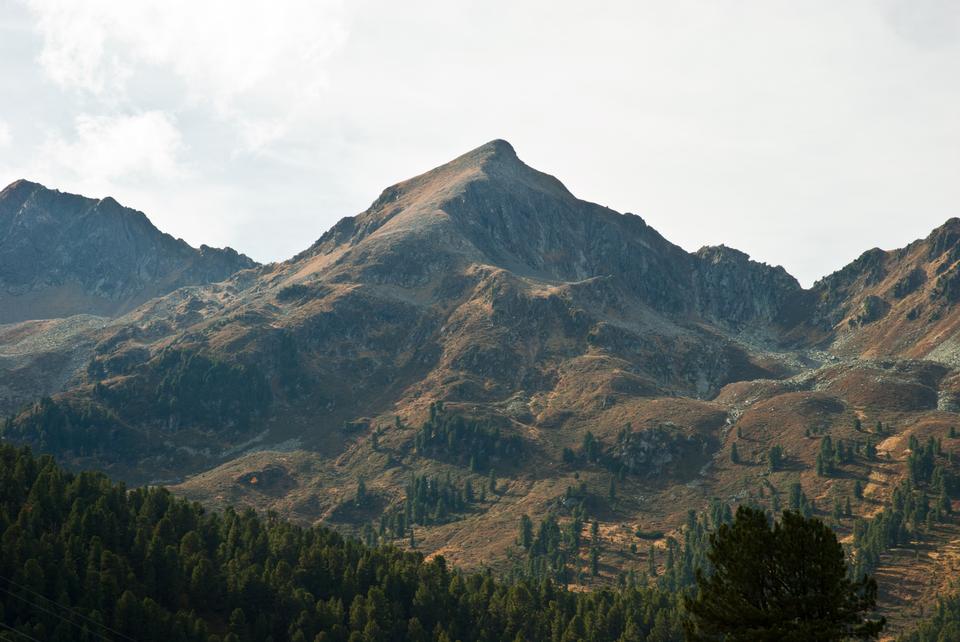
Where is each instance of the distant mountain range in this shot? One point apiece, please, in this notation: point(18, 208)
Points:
point(62, 254)
point(482, 289)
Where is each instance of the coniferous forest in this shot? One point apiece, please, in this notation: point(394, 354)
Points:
point(85, 559)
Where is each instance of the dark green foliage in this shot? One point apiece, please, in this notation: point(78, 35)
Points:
point(943, 626)
point(825, 457)
point(833, 455)
point(198, 389)
point(922, 458)
point(525, 539)
point(798, 501)
point(434, 500)
point(785, 582)
point(553, 548)
point(361, 497)
point(734, 455)
point(185, 387)
point(910, 511)
point(60, 427)
point(590, 448)
point(465, 441)
point(429, 500)
point(775, 457)
point(154, 568)
point(684, 558)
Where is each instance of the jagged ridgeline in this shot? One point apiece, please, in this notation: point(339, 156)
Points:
point(86, 559)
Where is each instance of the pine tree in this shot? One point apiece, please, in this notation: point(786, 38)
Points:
point(734, 455)
point(526, 532)
point(361, 497)
point(775, 457)
point(797, 604)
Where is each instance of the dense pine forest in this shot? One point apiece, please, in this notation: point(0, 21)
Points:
point(85, 559)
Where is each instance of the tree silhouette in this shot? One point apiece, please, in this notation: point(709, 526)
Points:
point(786, 582)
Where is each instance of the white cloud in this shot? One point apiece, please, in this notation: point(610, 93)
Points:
point(254, 62)
point(103, 149)
point(799, 132)
point(927, 23)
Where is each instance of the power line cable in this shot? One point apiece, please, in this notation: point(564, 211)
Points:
point(10, 628)
point(67, 608)
point(56, 615)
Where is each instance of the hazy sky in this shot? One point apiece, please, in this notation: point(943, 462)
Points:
point(800, 132)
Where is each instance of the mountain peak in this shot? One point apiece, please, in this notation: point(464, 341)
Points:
point(19, 189)
point(497, 150)
point(20, 183)
point(97, 256)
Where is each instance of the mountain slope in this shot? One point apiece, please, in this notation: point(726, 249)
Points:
point(898, 303)
point(480, 318)
point(483, 282)
point(62, 254)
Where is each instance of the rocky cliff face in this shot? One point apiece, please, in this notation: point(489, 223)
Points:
point(62, 254)
point(742, 295)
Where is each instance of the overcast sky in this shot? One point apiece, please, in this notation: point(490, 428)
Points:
point(799, 132)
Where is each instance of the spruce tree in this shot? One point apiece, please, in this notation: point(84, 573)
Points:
point(788, 581)
point(361, 492)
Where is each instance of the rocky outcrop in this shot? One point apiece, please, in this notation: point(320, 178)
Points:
point(741, 294)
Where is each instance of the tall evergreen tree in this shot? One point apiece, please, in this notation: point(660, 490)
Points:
point(785, 582)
